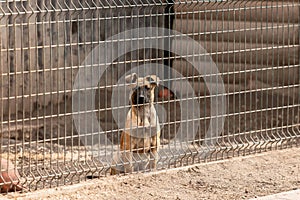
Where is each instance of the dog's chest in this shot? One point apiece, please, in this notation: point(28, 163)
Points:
point(142, 118)
point(143, 128)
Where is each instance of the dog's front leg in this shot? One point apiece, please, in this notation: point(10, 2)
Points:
point(153, 159)
point(127, 159)
point(153, 153)
point(126, 153)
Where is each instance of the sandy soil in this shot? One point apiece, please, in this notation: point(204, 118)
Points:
point(236, 178)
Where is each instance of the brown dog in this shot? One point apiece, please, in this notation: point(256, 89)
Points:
point(142, 131)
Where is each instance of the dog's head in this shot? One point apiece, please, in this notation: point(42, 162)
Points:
point(142, 88)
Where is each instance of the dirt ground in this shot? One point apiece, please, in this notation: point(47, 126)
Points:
point(236, 178)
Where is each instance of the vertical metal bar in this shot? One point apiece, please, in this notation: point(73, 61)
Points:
point(2, 82)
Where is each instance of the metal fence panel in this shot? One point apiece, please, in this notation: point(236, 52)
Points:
point(227, 83)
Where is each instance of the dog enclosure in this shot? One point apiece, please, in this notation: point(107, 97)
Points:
point(229, 83)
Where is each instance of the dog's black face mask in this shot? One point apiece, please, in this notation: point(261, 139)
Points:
point(142, 89)
point(141, 96)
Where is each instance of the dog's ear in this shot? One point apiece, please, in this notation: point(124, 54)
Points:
point(131, 78)
point(153, 80)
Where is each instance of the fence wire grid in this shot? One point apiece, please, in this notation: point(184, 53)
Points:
point(93, 88)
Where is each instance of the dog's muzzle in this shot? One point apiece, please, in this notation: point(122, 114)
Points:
point(141, 96)
point(142, 99)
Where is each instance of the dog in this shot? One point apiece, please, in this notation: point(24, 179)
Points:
point(141, 135)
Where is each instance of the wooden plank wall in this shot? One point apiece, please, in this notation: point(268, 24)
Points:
point(246, 35)
point(259, 39)
point(42, 51)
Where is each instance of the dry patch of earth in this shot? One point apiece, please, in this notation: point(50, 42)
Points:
point(236, 178)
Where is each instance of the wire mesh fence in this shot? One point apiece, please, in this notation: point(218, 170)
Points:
point(93, 88)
